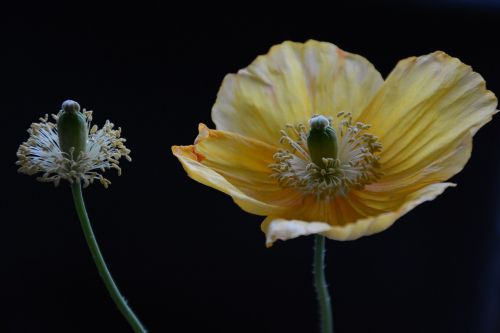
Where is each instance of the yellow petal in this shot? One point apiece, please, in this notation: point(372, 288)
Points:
point(448, 163)
point(425, 115)
point(237, 166)
point(362, 213)
point(375, 224)
point(290, 84)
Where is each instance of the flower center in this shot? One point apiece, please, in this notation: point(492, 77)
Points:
point(325, 162)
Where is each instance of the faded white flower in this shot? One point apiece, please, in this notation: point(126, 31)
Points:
point(86, 151)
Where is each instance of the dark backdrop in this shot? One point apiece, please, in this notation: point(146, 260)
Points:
point(185, 256)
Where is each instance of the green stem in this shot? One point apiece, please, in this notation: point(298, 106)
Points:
point(119, 300)
point(325, 306)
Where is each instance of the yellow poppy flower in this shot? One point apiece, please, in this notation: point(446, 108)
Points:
point(393, 142)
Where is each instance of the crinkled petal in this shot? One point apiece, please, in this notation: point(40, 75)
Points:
point(359, 215)
point(442, 167)
point(374, 224)
point(290, 84)
point(277, 228)
point(237, 166)
point(425, 115)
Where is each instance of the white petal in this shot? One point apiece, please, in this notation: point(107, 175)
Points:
point(277, 228)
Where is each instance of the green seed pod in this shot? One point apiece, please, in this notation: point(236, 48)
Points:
point(322, 140)
point(72, 129)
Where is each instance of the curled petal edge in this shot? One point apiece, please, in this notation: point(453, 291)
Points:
point(201, 173)
point(283, 229)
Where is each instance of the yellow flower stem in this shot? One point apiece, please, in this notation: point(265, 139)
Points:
point(325, 306)
point(119, 300)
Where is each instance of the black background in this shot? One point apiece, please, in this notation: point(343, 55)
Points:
point(185, 256)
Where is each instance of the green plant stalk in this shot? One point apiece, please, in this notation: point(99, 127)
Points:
point(119, 300)
point(325, 306)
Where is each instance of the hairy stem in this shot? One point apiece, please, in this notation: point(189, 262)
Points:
point(115, 294)
point(325, 306)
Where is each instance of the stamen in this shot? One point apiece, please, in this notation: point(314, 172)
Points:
point(355, 166)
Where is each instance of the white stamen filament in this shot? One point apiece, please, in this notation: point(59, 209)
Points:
point(42, 153)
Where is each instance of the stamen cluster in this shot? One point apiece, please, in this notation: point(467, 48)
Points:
point(356, 165)
point(42, 153)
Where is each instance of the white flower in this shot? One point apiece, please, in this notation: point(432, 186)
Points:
point(42, 151)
